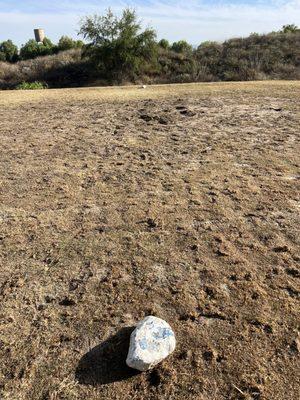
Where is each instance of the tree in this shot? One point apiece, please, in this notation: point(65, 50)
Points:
point(291, 28)
point(182, 47)
point(67, 43)
point(209, 55)
point(29, 50)
point(164, 43)
point(46, 48)
point(32, 49)
point(8, 51)
point(118, 47)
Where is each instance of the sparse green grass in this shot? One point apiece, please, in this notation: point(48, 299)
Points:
point(31, 86)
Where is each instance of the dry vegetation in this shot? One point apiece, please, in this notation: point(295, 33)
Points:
point(63, 69)
point(275, 56)
point(177, 201)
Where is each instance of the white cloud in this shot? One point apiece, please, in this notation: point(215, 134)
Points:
point(193, 20)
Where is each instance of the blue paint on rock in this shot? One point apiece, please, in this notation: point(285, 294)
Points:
point(162, 333)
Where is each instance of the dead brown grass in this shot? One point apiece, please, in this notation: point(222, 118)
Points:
point(180, 201)
point(128, 93)
point(50, 69)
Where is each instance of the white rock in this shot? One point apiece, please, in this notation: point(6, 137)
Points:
point(151, 342)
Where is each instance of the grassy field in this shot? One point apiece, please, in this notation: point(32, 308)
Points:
point(180, 201)
point(128, 93)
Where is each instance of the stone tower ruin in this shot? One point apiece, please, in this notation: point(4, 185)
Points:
point(39, 35)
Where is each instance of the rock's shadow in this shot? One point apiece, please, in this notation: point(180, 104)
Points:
point(106, 363)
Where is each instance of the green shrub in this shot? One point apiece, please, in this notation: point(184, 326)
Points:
point(67, 43)
point(164, 43)
point(31, 86)
point(32, 49)
point(291, 28)
point(182, 47)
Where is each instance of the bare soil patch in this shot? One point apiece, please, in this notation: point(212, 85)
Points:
point(176, 201)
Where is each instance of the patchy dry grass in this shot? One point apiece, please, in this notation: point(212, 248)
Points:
point(128, 93)
point(180, 201)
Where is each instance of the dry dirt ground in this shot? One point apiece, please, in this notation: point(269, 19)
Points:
point(176, 201)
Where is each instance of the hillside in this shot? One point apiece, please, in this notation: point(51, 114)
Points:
point(258, 57)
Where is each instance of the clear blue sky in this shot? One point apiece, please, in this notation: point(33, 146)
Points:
point(193, 20)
